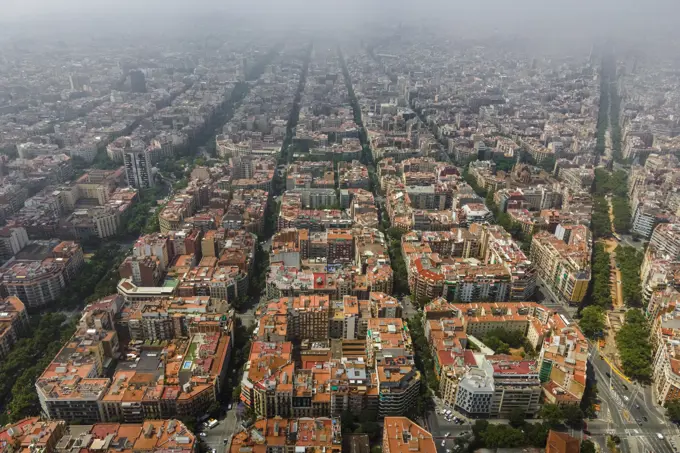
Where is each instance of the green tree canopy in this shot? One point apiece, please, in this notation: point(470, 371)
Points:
point(587, 446)
point(592, 321)
point(552, 414)
point(673, 410)
point(497, 436)
point(634, 348)
point(516, 417)
point(573, 415)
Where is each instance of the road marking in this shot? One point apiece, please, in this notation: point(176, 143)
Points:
point(616, 370)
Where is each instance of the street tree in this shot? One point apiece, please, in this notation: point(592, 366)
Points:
point(592, 321)
point(552, 414)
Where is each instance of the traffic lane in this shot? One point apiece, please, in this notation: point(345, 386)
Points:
point(444, 426)
point(215, 437)
point(634, 401)
point(606, 393)
point(655, 444)
point(648, 403)
point(453, 429)
point(445, 444)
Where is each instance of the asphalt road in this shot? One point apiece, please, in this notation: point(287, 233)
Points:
point(215, 437)
point(623, 405)
point(547, 297)
point(409, 310)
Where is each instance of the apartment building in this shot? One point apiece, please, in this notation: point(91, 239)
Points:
point(32, 433)
point(12, 241)
point(647, 215)
point(71, 386)
point(266, 385)
point(285, 435)
point(665, 239)
point(353, 175)
point(577, 178)
point(349, 318)
point(564, 264)
point(39, 275)
point(56, 436)
point(340, 246)
point(390, 350)
point(563, 362)
point(175, 211)
point(498, 386)
point(665, 332)
point(562, 443)
point(385, 306)
point(182, 376)
point(308, 317)
point(498, 247)
point(13, 321)
point(401, 435)
point(479, 264)
point(290, 246)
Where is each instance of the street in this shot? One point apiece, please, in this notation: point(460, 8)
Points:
point(624, 404)
point(409, 310)
point(215, 437)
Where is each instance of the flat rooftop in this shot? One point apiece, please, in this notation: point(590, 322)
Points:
point(37, 251)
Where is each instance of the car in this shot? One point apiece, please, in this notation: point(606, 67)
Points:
point(625, 387)
point(644, 417)
point(625, 397)
point(586, 432)
point(660, 436)
point(202, 434)
point(638, 421)
point(608, 374)
point(225, 441)
point(229, 407)
point(447, 434)
point(443, 443)
point(637, 406)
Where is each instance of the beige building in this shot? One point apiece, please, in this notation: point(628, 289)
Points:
point(564, 264)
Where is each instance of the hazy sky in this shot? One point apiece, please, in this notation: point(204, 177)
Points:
point(532, 16)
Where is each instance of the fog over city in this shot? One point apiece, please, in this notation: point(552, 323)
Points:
point(538, 19)
point(358, 226)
